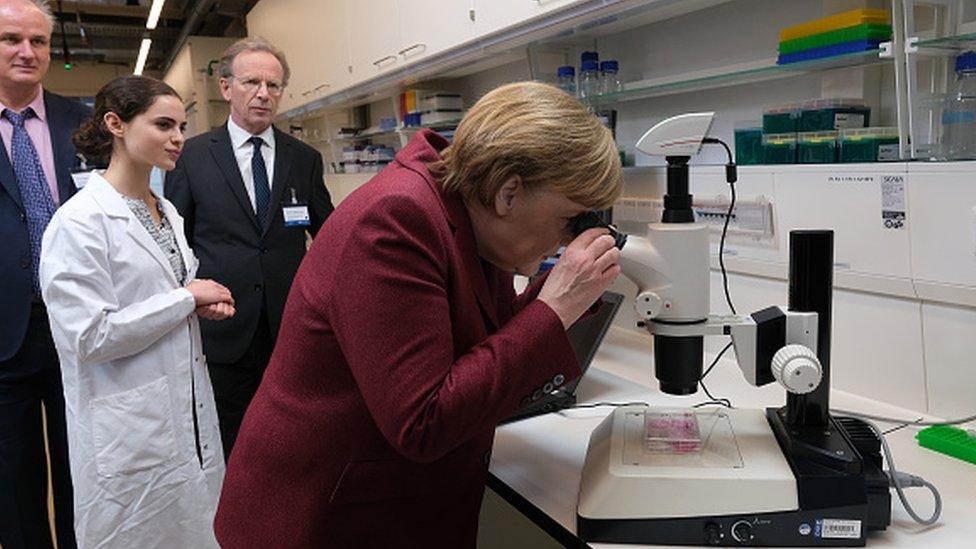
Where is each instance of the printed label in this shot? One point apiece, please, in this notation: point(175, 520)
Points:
point(848, 120)
point(838, 529)
point(893, 202)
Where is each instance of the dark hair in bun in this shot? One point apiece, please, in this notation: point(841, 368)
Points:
point(128, 97)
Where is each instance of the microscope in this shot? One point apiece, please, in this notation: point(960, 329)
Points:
point(787, 476)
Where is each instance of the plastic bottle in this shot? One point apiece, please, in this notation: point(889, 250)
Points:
point(609, 80)
point(589, 82)
point(959, 116)
point(567, 79)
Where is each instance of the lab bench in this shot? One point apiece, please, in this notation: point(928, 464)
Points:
point(536, 463)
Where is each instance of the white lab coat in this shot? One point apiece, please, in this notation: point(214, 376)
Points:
point(133, 370)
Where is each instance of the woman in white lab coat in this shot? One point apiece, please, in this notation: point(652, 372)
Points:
point(118, 280)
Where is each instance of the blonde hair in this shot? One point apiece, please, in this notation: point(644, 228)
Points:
point(539, 133)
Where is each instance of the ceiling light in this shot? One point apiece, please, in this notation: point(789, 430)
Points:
point(143, 54)
point(154, 11)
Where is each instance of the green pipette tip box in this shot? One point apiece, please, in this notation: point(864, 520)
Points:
point(949, 440)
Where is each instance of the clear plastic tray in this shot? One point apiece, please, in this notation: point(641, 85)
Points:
point(671, 432)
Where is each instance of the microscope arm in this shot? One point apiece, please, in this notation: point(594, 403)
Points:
point(772, 344)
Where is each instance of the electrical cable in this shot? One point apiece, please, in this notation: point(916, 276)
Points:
point(730, 177)
point(614, 404)
point(899, 480)
point(884, 419)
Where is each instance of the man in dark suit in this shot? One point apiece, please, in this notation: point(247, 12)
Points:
point(248, 193)
point(36, 161)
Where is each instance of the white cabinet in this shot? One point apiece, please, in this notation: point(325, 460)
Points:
point(374, 37)
point(428, 27)
point(495, 15)
point(391, 34)
point(314, 37)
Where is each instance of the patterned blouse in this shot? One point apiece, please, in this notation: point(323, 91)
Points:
point(163, 234)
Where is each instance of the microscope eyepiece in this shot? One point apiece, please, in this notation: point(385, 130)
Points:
point(591, 219)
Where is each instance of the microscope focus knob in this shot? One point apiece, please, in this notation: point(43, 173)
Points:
point(648, 305)
point(797, 368)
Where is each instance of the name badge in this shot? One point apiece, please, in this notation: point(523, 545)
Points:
point(296, 215)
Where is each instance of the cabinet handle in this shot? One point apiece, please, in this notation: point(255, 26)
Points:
point(380, 61)
point(305, 93)
point(319, 87)
point(404, 51)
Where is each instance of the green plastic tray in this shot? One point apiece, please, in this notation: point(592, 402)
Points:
point(951, 441)
point(864, 31)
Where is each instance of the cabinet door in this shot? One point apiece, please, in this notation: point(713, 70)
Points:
point(495, 15)
point(374, 37)
point(428, 27)
point(327, 48)
point(274, 21)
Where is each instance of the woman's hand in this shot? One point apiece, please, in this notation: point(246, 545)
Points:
point(208, 292)
point(216, 311)
point(587, 267)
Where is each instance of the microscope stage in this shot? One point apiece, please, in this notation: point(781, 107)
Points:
point(737, 467)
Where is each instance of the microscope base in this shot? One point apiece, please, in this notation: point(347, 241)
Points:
point(739, 489)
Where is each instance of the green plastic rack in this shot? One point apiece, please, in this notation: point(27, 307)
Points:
point(949, 440)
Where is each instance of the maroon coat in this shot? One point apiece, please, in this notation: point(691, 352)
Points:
point(399, 352)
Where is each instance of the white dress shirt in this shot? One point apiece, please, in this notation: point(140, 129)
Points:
point(243, 151)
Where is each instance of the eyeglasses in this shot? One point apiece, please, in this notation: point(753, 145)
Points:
point(254, 84)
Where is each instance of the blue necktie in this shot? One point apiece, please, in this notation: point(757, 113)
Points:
point(38, 203)
point(262, 191)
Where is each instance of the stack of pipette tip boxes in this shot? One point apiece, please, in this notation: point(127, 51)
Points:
point(848, 32)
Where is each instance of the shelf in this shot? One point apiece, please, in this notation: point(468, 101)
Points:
point(951, 44)
point(746, 73)
point(444, 125)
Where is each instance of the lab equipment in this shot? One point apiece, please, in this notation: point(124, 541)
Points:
point(609, 79)
point(833, 114)
point(781, 118)
point(748, 145)
point(589, 82)
point(785, 476)
point(949, 440)
point(816, 147)
point(863, 31)
point(779, 148)
point(959, 114)
point(585, 337)
point(877, 144)
point(837, 21)
point(847, 32)
point(566, 78)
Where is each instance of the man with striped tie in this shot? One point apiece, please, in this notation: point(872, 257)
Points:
point(36, 161)
point(248, 194)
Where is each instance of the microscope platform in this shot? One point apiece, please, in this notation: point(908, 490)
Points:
point(731, 484)
point(739, 468)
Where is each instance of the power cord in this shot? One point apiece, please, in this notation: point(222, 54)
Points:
point(731, 176)
point(899, 480)
point(701, 381)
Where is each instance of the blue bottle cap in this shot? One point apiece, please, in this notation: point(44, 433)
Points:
point(608, 66)
point(966, 62)
point(589, 56)
point(589, 65)
point(566, 71)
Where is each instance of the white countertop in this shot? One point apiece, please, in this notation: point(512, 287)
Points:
point(541, 458)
